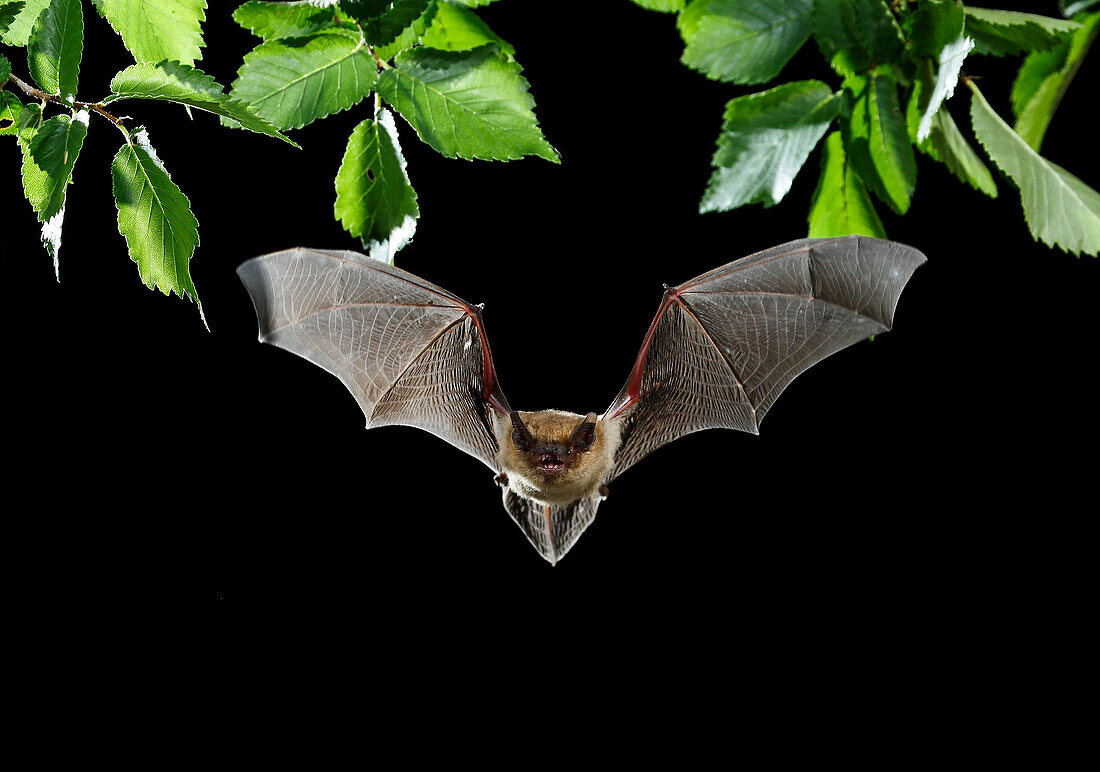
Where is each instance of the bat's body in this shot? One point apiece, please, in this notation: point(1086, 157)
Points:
point(720, 350)
point(555, 470)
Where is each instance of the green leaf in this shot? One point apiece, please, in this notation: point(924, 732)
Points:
point(877, 140)
point(841, 205)
point(48, 163)
point(934, 24)
point(155, 30)
point(1071, 8)
point(10, 110)
point(1059, 208)
point(948, 66)
point(274, 20)
point(56, 46)
point(174, 82)
point(154, 216)
point(1011, 32)
point(293, 82)
point(374, 199)
point(458, 29)
point(664, 6)
point(5, 70)
point(1044, 77)
point(9, 9)
point(855, 34)
point(473, 3)
point(50, 149)
point(947, 145)
point(746, 41)
point(765, 140)
point(466, 104)
point(18, 30)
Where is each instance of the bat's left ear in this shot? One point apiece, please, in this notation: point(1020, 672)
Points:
point(585, 434)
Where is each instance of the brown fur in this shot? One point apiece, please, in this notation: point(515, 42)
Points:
point(583, 472)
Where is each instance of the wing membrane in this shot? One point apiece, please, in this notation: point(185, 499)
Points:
point(410, 352)
point(725, 345)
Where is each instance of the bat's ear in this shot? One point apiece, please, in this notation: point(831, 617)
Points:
point(521, 435)
point(585, 434)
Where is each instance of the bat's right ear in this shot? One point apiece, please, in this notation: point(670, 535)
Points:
point(584, 436)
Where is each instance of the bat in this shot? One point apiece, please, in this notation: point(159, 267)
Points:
point(720, 350)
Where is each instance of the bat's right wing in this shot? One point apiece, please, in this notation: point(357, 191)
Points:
point(724, 345)
point(410, 352)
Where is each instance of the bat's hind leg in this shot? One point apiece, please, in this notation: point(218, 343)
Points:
point(603, 491)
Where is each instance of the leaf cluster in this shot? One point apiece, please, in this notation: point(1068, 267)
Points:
point(165, 39)
point(895, 67)
point(435, 63)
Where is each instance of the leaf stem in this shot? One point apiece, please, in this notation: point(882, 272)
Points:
point(38, 93)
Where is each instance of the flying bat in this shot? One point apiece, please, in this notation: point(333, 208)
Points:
point(720, 350)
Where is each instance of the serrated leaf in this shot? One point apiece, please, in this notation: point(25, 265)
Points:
point(466, 104)
point(383, 22)
point(841, 204)
point(664, 6)
point(374, 199)
point(746, 41)
point(947, 145)
point(1060, 209)
point(274, 20)
point(948, 66)
point(293, 82)
point(19, 28)
point(455, 28)
point(9, 9)
point(174, 82)
point(854, 34)
point(934, 24)
point(409, 36)
point(48, 162)
point(56, 46)
point(155, 30)
point(999, 33)
point(687, 21)
point(5, 70)
point(154, 216)
point(1044, 77)
point(876, 138)
point(765, 140)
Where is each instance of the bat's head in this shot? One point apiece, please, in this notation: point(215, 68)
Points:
point(562, 456)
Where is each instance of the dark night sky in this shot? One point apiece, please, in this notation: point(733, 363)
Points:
point(927, 475)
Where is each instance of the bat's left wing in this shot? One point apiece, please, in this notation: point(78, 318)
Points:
point(724, 345)
point(410, 352)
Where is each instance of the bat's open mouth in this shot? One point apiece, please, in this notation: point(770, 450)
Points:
point(550, 462)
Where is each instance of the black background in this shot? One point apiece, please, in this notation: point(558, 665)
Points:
point(922, 484)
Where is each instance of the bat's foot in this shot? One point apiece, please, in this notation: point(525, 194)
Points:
point(603, 491)
point(501, 480)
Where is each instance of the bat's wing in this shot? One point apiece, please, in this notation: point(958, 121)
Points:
point(724, 345)
point(410, 352)
point(552, 530)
